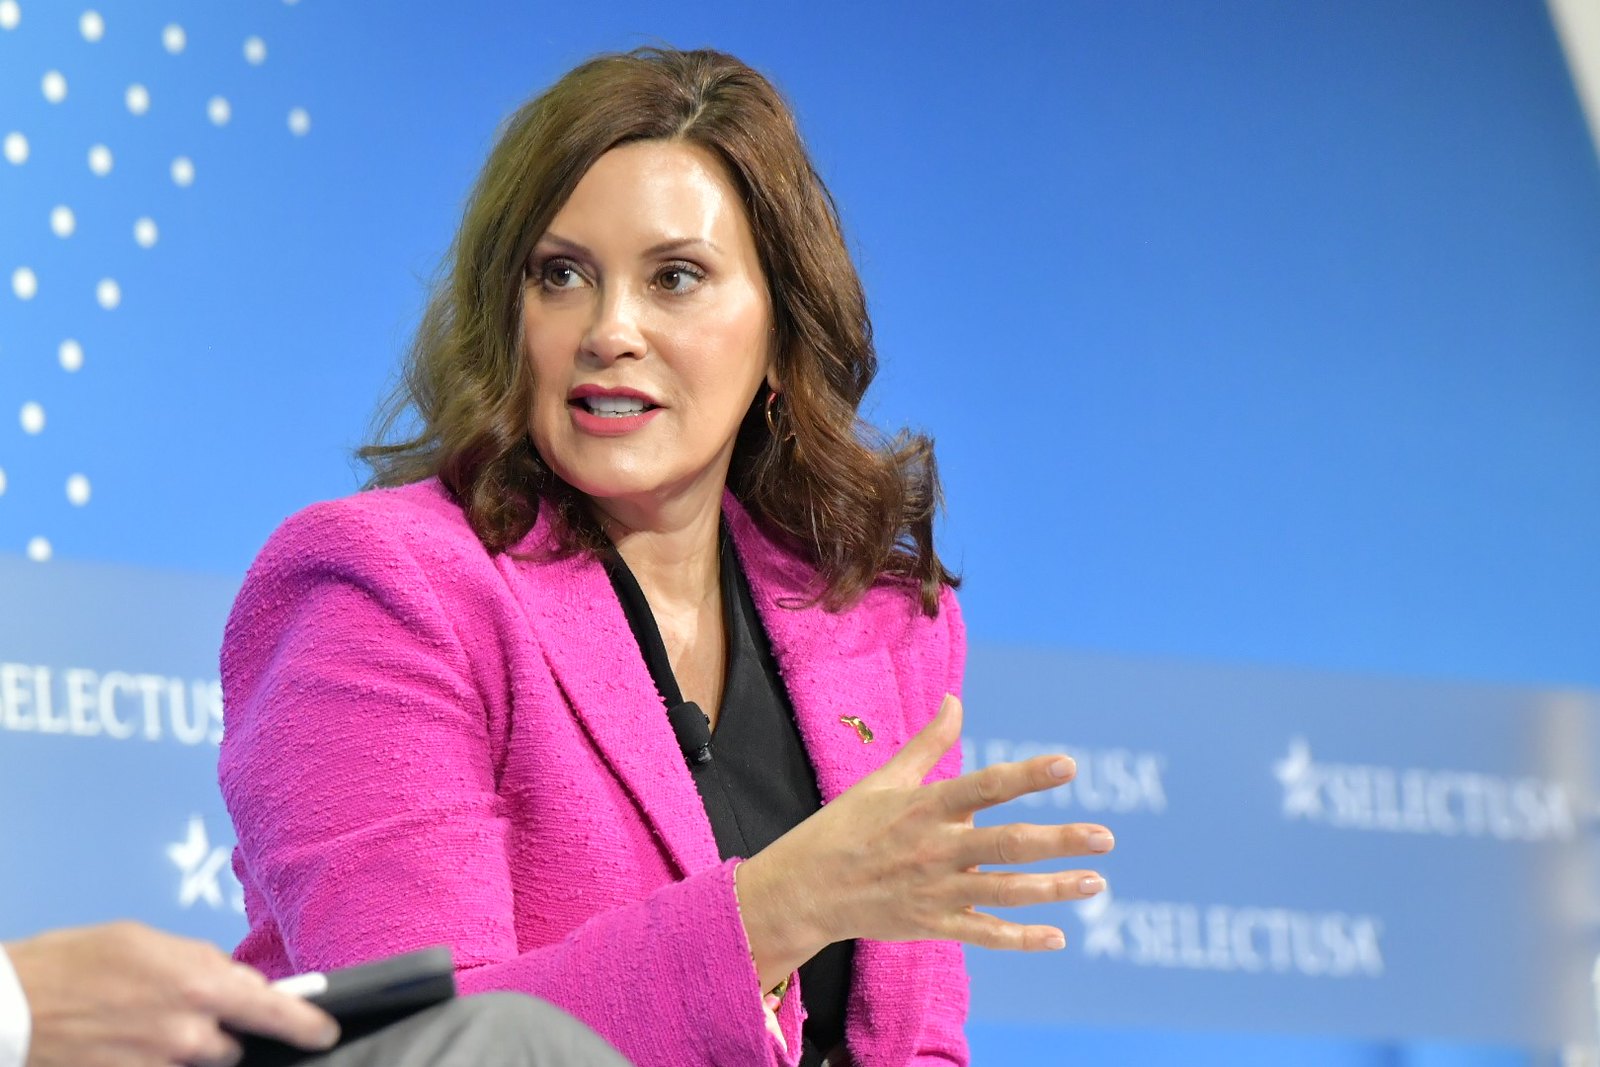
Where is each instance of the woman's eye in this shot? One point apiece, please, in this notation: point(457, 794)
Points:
point(559, 275)
point(679, 279)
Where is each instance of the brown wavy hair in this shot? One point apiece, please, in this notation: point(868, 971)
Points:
point(859, 506)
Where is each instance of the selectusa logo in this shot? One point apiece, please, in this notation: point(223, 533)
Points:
point(1119, 780)
point(119, 705)
point(204, 870)
point(1219, 937)
point(1416, 800)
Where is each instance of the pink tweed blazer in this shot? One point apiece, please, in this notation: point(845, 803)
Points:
point(426, 744)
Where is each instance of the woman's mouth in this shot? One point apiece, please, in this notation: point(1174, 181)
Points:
point(614, 407)
point(610, 411)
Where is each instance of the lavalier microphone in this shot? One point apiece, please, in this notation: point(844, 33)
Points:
point(693, 730)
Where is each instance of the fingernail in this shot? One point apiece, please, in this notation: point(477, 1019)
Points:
point(1055, 941)
point(1100, 841)
point(1091, 885)
point(328, 1036)
point(1063, 767)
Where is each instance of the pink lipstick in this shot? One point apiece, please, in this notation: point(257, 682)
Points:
point(610, 412)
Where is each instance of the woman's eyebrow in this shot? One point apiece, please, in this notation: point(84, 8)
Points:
point(677, 244)
point(671, 244)
point(566, 244)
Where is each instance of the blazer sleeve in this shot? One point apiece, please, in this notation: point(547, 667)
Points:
point(944, 1039)
point(357, 763)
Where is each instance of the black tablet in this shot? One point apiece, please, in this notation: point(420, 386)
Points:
point(399, 984)
point(364, 999)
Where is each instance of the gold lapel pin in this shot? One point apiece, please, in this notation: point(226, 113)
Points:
point(863, 731)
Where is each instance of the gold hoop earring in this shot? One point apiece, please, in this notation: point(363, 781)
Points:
point(772, 422)
point(774, 411)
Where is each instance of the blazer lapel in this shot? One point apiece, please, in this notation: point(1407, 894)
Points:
point(834, 666)
point(837, 665)
point(595, 659)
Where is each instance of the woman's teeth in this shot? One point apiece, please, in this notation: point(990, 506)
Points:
point(614, 406)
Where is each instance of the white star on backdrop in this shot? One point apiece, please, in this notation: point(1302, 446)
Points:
point(1301, 782)
point(201, 865)
point(1102, 926)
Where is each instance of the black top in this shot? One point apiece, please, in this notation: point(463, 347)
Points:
point(759, 783)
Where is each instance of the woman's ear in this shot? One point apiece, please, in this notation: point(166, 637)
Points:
point(772, 360)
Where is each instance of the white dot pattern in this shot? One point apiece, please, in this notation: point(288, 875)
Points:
point(54, 86)
point(24, 283)
point(69, 270)
point(31, 417)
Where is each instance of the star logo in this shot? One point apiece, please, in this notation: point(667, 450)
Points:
point(1102, 927)
point(201, 864)
point(1301, 781)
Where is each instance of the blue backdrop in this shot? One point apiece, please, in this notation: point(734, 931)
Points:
point(1262, 346)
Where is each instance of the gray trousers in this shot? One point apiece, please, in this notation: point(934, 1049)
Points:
point(490, 1030)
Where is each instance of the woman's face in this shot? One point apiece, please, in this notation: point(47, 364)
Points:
point(647, 325)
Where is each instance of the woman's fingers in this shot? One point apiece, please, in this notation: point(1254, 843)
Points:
point(922, 876)
point(1027, 843)
point(1002, 782)
point(1015, 889)
point(917, 756)
point(987, 931)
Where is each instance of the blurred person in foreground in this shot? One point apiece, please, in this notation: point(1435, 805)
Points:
point(124, 995)
point(638, 481)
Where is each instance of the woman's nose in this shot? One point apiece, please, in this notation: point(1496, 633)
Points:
point(615, 331)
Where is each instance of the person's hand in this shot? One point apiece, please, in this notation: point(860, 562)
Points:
point(893, 859)
point(125, 995)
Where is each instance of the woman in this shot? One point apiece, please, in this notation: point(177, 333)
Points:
point(639, 483)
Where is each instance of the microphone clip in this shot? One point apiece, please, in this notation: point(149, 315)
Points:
point(692, 728)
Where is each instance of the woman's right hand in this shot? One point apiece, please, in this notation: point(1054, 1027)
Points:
point(893, 859)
